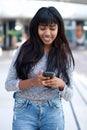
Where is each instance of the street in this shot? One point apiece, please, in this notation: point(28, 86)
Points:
point(75, 111)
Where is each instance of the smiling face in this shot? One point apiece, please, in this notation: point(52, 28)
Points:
point(48, 33)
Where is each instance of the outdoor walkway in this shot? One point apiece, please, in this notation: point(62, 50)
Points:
point(75, 111)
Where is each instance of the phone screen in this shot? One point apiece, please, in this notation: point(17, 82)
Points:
point(48, 74)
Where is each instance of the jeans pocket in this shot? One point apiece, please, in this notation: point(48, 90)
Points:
point(57, 104)
point(20, 104)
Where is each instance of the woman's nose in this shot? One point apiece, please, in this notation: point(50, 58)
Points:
point(47, 32)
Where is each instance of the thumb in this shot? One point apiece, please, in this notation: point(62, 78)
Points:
point(40, 72)
point(53, 75)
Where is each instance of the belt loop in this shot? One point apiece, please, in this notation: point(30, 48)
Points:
point(14, 95)
point(50, 103)
point(29, 102)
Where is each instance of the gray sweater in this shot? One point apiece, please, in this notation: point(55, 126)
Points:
point(35, 92)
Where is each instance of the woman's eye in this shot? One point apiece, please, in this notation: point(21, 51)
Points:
point(52, 29)
point(42, 28)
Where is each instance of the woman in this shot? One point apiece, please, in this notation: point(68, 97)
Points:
point(38, 104)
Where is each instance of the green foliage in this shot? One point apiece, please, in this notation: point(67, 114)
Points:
point(14, 32)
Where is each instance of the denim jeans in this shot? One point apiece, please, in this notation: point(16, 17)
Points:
point(31, 115)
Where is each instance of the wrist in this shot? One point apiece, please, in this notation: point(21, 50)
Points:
point(61, 87)
point(32, 82)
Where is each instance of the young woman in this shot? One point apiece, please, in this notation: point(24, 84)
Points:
point(38, 104)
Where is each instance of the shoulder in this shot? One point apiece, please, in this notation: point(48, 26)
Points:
point(15, 53)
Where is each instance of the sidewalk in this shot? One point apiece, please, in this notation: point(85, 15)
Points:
point(6, 55)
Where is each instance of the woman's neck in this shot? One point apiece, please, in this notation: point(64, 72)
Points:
point(47, 48)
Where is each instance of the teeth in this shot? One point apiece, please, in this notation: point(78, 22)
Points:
point(47, 39)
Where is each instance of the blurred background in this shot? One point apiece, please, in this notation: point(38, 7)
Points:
point(15, 16)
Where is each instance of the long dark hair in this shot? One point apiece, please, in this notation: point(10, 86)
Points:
point(60, 56)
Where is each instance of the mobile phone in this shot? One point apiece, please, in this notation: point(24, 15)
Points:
point(48, 74)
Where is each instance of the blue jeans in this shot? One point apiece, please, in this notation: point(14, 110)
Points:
point(31, 115)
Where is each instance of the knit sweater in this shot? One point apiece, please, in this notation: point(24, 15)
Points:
point(35, 92)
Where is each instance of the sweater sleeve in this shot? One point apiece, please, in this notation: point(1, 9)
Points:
point(12, 81)
point(67, 92)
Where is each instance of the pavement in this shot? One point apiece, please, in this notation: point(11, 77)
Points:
point(75, 111)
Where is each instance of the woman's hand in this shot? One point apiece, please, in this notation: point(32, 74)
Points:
point(38, 80)
point(54, 82)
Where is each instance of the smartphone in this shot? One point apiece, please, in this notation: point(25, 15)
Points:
point(48, 74)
